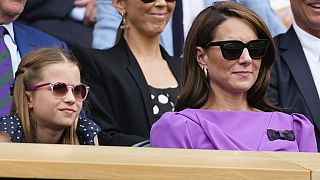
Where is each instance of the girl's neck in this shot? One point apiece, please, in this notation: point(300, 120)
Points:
point(48, 136)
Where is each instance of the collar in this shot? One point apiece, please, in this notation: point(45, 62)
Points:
point(9, 28)
point(310, 43)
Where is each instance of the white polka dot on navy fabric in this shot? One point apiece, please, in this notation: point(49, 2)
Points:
point(163, 99)
point(152, 96)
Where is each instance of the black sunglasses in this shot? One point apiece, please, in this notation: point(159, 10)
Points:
point(233, 49)
point(59, 90)
point(150, 1)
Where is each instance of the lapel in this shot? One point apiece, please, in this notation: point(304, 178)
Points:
point(291, 51)
point(24, 39)
point(135, 71)
point(137, 74)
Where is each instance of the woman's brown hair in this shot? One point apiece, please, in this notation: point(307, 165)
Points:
point(195, 88)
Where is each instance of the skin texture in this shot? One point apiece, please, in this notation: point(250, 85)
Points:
point(307, 15)
point(10, 10)
point(230, 79)
point(146, 18)
point(53, 114)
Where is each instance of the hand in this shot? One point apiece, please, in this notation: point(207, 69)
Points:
point(90, 15)
point(81, 3)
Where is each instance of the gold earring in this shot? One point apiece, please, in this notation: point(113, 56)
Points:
point(205, 70)
point(124, 24)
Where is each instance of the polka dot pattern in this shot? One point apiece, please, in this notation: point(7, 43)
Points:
point(163, 100)
point(86, 129)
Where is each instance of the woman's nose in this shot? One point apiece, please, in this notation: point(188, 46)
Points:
point(245, 57)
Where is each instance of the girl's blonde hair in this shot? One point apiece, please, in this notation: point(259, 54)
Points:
point(28, 74)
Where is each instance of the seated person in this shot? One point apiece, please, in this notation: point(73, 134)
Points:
point(222, 105)
point(47, 99)
point(136, 81)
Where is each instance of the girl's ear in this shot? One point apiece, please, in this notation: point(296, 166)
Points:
point(201, 57)
point(29, 99)
point(120, 6)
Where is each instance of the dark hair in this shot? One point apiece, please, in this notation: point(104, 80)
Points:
point(195, 88)
point(30, 72)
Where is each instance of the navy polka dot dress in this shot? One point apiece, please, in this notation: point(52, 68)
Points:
point(86, 129)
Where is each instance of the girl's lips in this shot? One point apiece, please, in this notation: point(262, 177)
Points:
point(68, 110)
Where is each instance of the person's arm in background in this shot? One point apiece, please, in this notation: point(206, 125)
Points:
point(40, 9)
point(264, 10)
point(105, 29)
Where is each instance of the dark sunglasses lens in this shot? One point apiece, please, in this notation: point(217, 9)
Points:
point(80, 92)
point(150, 1)
point(60, 89)
point(232, 50)
point(257, 49)
point(147, 1)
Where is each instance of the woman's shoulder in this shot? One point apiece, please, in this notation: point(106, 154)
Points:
point(287, 116)
point(176, 118)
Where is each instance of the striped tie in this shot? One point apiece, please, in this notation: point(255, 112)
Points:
point(6, 75)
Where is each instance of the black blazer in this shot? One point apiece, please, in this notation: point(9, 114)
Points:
point(292, 86)
point(119, 97)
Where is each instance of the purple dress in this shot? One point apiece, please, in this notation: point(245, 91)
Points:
point(234, 130)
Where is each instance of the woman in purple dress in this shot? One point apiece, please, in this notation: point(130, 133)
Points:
point(222, 105)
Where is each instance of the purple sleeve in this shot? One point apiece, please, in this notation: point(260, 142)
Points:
point(304, 133)
point(171, 131)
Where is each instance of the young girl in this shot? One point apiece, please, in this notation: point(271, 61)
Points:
point(47, 100)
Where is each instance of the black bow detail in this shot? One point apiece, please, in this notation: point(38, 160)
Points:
point(283, 135)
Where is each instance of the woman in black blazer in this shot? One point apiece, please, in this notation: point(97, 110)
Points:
point(136, 81)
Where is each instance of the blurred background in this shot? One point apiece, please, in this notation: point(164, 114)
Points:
point(282, 8)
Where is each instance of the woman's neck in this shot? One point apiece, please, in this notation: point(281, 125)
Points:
point(225, 101)
point(144, 48)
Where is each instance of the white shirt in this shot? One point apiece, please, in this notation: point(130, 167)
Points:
point(191, 8)
point(310, 45)
point(12, 46)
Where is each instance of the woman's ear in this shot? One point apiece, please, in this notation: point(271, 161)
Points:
point(201, 57)
point(29, 99)
point(120, 6)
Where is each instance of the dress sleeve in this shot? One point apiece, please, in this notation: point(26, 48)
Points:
point(304, 133)
point(12, 126)
point(87, 130)
point(171, 131)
